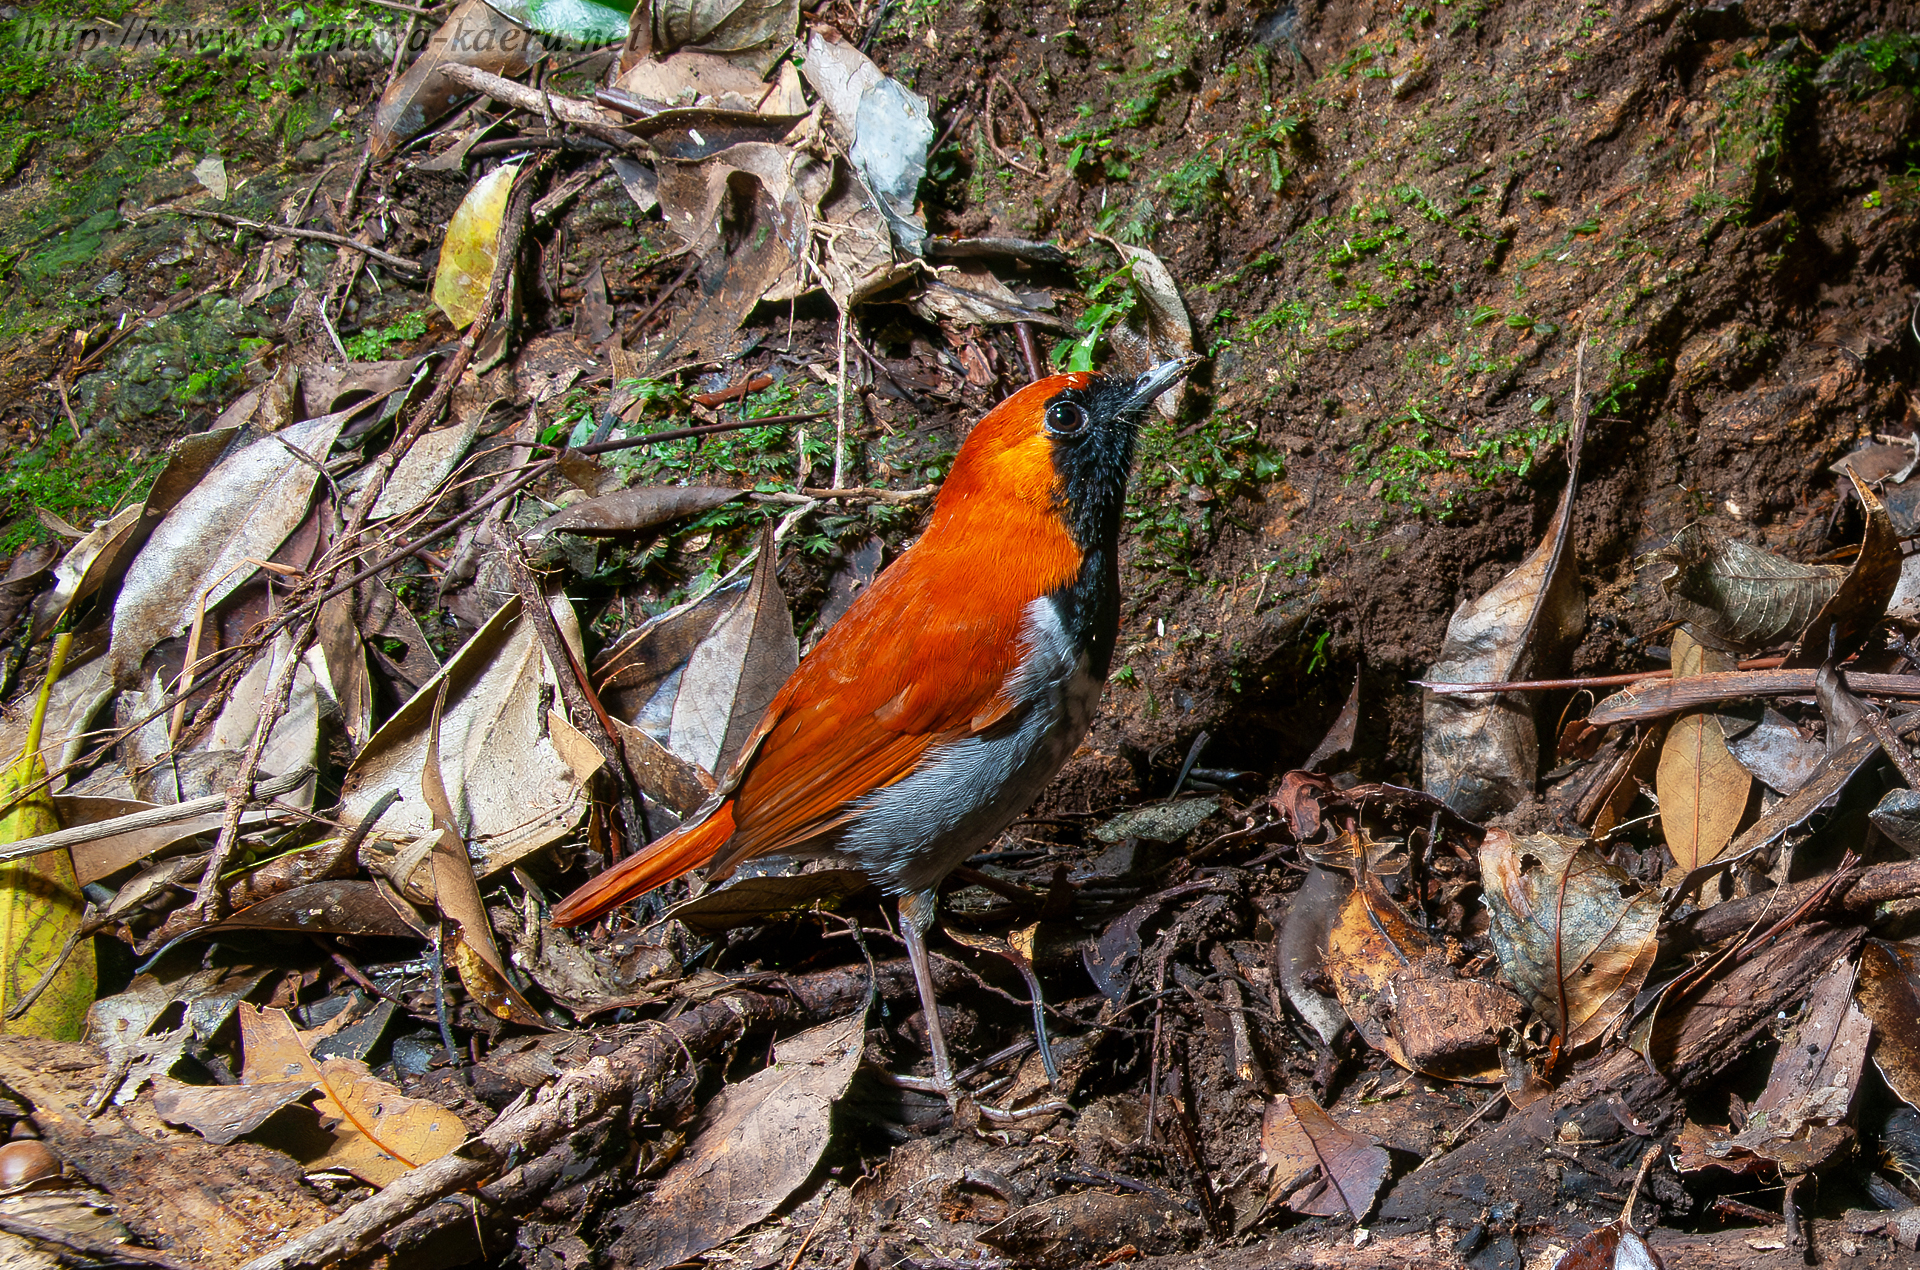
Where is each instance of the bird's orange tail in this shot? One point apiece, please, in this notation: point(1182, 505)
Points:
point(685, 849)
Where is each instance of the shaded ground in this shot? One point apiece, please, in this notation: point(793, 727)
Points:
point(1394, 227)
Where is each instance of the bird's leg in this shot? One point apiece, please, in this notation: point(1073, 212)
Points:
point(916, 918)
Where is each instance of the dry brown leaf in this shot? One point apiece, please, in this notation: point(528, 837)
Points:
point(1841, 627)
point(1481, 753)
point(375, 1131)
point(457, 893)
point(1614, 1246)
point(83, 568)
point(421, 470)
point(1738, 596)
point(754, 899)
point(736, 670)
point(1299, 1140)
point(1404, 1000)
point(632, 511)
point(750, 33)
point(1798, 1122)
point(223, 1113)
point(664, 776)
point(124, 1025)
point(1702, 788)
point(1159, 329)
point(1574, 934)
point(1889, 991)
point(757, 1142)
point(80, 695)
point(510, 789)
point(748, 212)
point(474, 34)
point(242, 510)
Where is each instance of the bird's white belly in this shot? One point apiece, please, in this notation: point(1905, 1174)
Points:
point(914, 832)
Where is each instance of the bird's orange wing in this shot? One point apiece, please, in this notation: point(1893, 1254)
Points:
point(929, 652)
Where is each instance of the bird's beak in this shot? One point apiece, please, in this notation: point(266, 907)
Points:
point(1158, 380)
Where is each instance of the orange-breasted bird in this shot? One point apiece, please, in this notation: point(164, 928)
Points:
point(933, 713)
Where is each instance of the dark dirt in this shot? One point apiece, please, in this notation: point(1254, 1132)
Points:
point(1719, 201)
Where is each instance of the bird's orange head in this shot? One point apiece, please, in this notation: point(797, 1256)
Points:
point(1060, 447)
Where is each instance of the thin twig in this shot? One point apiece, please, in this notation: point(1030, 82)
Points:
point(993, 142)
point(386, 258)
point(579, 113)
point(1573, 685)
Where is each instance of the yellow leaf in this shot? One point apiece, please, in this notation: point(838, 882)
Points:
point(1702, 787)
point(467, 256)
point(40, 902)
point(378, 1133)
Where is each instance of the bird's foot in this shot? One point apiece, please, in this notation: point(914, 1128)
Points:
point(1053, 1106)
point(948, 1089)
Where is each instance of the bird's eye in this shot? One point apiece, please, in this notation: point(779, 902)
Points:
point(1064, 418)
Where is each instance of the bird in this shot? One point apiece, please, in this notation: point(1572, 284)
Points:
point(935, 711)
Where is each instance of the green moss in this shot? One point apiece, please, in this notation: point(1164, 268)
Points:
point(78, 482)
point(371, 346)
point(1184, 479)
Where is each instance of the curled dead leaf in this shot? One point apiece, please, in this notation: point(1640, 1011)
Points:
point(1738, 596)
point(1318, 1167)
point(1574, 934)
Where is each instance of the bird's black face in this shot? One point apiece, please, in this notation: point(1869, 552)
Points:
point(1093, 430)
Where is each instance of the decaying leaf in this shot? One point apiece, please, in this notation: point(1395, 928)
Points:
point(1575, 934)
point(1159, 329)
point(80, 695)
point(223, 1113)
point(885, 127)
point(295, 738)
point(1830, 776)
point(633, 511)
point(1889, 992)
point(41, 908)
point(735, 671)
point(752, 33)
point(373, 1130)
point(457, 893)
point(426, 464)
point(755, 1144)
point(1320, 1168)
point(1778, 752)
point(472, 246)
point(1841, 627)
point(1798, 1122)
point(123, 1025)
point(1701, 786)
point(1738, 596)
point(743, 901)
point(1614, 1246)
point(242, 510)
point(748, 212)
point(474, 34)
point(1480, 753)
point(1393, 981)
point(85, 566)
point(510, 789)
point(971, 294)
point(687, 78)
